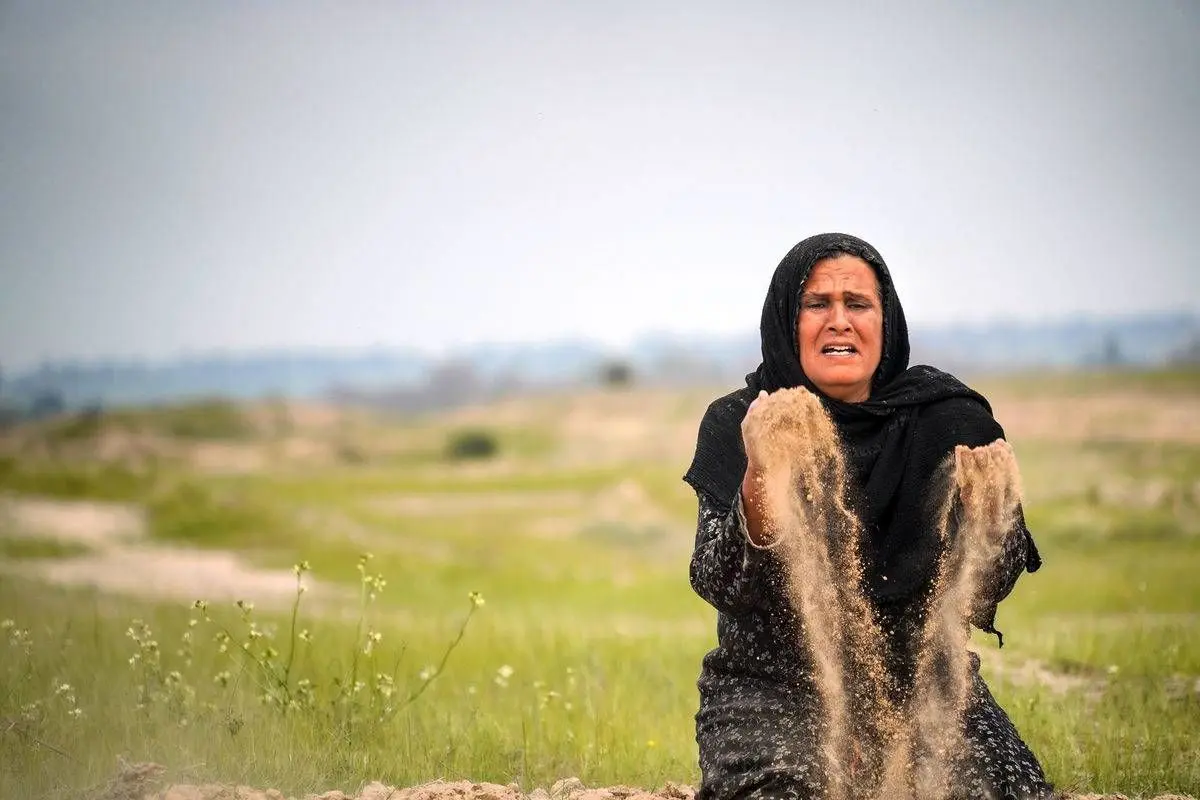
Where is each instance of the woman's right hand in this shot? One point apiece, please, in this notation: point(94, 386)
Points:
point(753, 500)
point(752, 426)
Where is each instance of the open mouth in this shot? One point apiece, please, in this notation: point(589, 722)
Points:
point(839, 350)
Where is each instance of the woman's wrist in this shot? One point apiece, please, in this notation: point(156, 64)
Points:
point(753, 505)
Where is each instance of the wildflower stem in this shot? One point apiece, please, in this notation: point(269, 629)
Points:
point(14, 726)
point(287, 670)
point(412, 698)
point(362, 613)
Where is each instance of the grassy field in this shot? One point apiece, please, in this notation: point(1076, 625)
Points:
point(579, 654)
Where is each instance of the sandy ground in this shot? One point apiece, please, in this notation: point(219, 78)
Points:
point(144, 782)
point(119, 559)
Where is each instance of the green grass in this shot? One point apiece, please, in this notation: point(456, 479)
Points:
point(22, 547)
point(216, 514)
point(596, 620)
point(590, 703)
point(75, 481)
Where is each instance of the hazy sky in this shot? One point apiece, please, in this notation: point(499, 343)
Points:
point(181, 177)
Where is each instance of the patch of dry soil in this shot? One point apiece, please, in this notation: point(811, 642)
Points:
point(143, 782)
point(1127, 416)
point(120, 560)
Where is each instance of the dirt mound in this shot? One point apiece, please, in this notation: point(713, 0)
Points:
point(567, 789)
point(142, 782)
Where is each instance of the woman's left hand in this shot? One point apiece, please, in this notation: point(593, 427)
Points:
point(989, 485)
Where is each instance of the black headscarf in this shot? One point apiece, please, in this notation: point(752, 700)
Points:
point(891, 454)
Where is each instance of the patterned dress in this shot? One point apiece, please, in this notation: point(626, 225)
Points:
point(758, 722)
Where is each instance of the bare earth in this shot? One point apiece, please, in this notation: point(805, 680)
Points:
point(142, 782)
point(120, 559)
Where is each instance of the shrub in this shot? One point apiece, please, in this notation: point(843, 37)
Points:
point(474, 443)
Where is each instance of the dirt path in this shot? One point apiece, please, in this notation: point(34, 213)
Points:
point(119, 558)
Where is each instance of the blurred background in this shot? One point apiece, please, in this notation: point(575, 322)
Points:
point(451, 284)
point(419, 204)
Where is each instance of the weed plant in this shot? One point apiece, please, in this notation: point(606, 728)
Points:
point(224, 672)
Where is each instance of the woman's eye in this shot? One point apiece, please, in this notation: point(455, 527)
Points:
point(814, 303)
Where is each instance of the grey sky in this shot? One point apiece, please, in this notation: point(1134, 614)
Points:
point(180, 177)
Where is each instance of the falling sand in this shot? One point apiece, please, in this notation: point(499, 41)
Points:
point(981, 489)
point(875, 740)
point(817, 537)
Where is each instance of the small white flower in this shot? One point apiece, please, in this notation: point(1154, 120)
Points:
point(505, 671)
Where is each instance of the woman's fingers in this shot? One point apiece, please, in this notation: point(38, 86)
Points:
point(761, 394)
point(988, 484)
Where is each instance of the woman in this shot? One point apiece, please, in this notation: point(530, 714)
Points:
point(832, 323)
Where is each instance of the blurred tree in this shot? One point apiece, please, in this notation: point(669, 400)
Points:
point(616, 373)
point(47, 403)
point(1111, 355)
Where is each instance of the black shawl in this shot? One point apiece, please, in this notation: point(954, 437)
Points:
point(894, 441)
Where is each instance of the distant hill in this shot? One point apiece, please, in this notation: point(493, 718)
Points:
point(407, 379)
point(237, 376)
point(1143, 340)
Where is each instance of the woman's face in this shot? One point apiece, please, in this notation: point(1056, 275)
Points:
point(839, 331)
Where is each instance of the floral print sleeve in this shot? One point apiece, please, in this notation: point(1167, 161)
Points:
point(726, 567)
